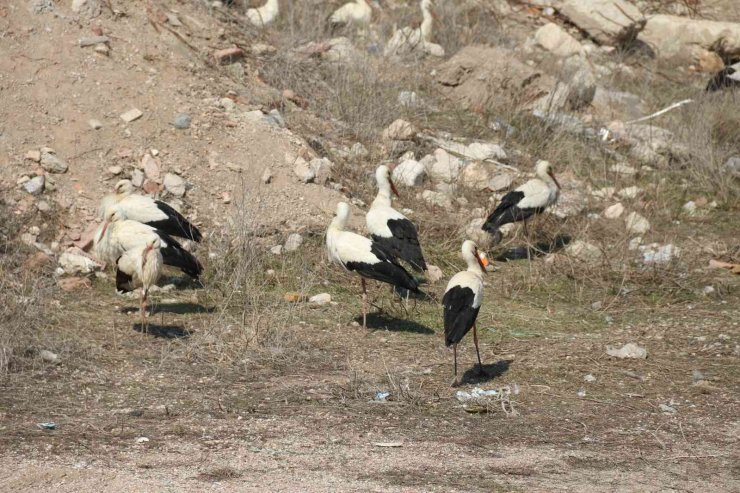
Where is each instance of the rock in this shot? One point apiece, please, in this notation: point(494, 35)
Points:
point(399, 130)
point(630, 192)
point(437, 199)
point(266, 176)
point(174, 184)
point(556, 40)
point(41, 6)
point(321, 168)
point(697, 376)
point(35, 185)
point(131, 115)
point(410, 173)
point(74, 283)
point(151, 168)
point(93, 41)
point(584, 251)
point(320, 299)
point(667, 409)
point(634, 243)
point(708, 61)
point(732, 165)
point(408, 98)
point(43, 206)
point(358, 151)
point(690, 208)
point(611, 105)
point(226, 198)
point(623, 169)
point(614, 211)
point(446, 167)
point(52, 164)
point(484, 150)
point(137, 178)
point(303, 170)
point(658, 254)
point(652, 145)
point(293, 242)
point(182, 121)
point(228, 55)
point(500, 182)
point(274, 118)
point(589, 378)
point(476, 176)
point(609, 22)
point(636, 224)
point(578, 86)
point(49, 357)
point(629, 350)
point(34, 156)
point(679, 38)
point(36, 261)
point(277, 250)
point(115, 170)
point(76, 262)
point(294, 297)
point(86, 8)
point(261, 49)
point(434, 273)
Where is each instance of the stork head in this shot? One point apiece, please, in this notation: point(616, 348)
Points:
point(124, 187)
point(341, 216)
point(428, 6)
point(472, 255)
point(112, 214)
point(543, 170)
point(383, 177)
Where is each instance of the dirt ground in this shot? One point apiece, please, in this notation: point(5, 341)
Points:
point(296, 409)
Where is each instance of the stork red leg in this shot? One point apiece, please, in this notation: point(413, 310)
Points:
point(364, 304)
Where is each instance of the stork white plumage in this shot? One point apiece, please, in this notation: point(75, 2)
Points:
point(140, 266)
point(117, 235)
point(362, 255)
point(146, 210)
point(529, 199)
point(416, 38)
point(264, 15)
point(462, 300)
point(357, 13)
point(390, 229)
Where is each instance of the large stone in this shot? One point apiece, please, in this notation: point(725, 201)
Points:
point(677, 37)
point(410, 173)
point(86, 8)
point(52, 164)
point(583, 251)
point(293, 242)
point(399, 130)
point(446, 167)
point(556, 40)
point(616, 105)
point(303, 170)
point(636, 224)
point(476, 175)
point(321, 168)
point(75, 262)
point(732, 165)
point(174, 184)
point(35, 185)
point(614, 211)
point(437, 199)
point(151, 168)
point(500, 182)
point(609, 22)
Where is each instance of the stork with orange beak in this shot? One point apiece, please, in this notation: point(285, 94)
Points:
point(462, 300)
point(390, 229)
point(529, 199)
point(140, 266)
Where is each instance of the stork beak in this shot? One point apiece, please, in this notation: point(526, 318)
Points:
point(482, 260)
point(552, 175)
point(106, 223)
point(393, 188)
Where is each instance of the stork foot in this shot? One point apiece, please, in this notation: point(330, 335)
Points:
point(455, 382)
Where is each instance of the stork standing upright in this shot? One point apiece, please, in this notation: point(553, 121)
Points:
point(727, 78)
point(146, 210)
point(140, 266)
point(418, 37)
point(357, 12)
point(389, 228)
point(529, 199)
point(362, 255)
point(264, 15)
point(462, 300)
point(116, 235)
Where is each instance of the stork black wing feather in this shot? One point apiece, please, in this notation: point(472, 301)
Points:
point(124, 282)
point(404, 244)
point(459, 314)
point(176, 256)
point(175, 224)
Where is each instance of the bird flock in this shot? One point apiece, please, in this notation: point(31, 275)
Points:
point(394, 241)
point(137, 236)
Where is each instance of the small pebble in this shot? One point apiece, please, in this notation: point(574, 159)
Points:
point(95, 124)
point(182, 121)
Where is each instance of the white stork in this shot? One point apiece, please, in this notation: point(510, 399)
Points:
point(529, 199)
point(117, 235)
point(264, 15)
point(362, 255)
point(146, 210)
point(357, 12)
point(462, 300)
point(389, 228)
point(140, 266)
point(418, 37)
point(727, 78)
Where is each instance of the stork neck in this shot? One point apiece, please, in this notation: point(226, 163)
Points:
point(473, 265)
point(426, 23)
point(384, 194)
point(548, 180)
